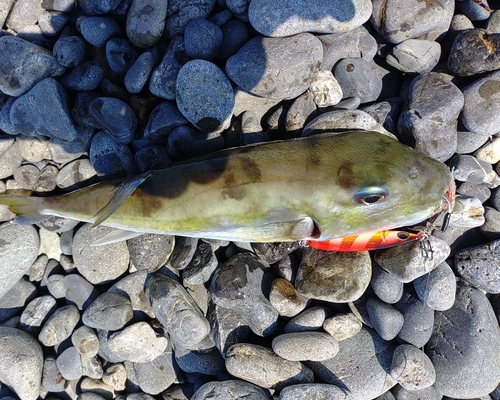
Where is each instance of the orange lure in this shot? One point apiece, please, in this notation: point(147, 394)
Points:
point(368, 241)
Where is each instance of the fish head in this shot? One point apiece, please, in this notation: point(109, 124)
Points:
point(385, 185)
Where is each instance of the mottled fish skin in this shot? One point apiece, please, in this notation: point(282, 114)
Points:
point(273, 191)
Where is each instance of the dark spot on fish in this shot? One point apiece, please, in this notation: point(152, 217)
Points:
point(205, 172)
point(235, 193)
point(250, 169)
point(346, 176)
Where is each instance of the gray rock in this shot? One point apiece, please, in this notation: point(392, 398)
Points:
point(86, 77)
point(202, 39)
point(149, 252)
point(110, 311)
point(262, 367)
point(163, 78)
point(302, 110)
point(21, 362)
point(206, 101)
point(52, 380)
point(481, 113)
point(417, 20)
point(333, 276)
point(309, 320)
point(226, 327)
point(36, 313)
point(230, 389)
point(361, 366)
point(429, 120)
point(205, 359)
point(132, 285)
point(162, 120)
point(490, 152)
point(10, 161)
point(241, 277)
point(251, 130)
point(97, 30)
point(145, 22)
point(342, 326)
point(55, 286)
point(137, 343)
point(44, 111)
point(69, 51)
point(104, 352)
point(305, 346)
point(59, 326)
point(386, 286)
point(286, 18)
point(85, 340)
point(115, 375)
point(180, 12)
point(429, 393)
point(415, 56)
point(285, 299)
point(474, 51)
point(492, 24)
point(474, 10)
point(19, 247)
point(469, 189)
point(116, 117)
point(480, 267)
point(468, 142)
point(176, 311)
point(24, 65)
point(358, 78)
point(91, 8)
point(464, 346)
point(312, 391)
point(437, 288)
point(411, 368)
point(409, 262)
point(96, 386)
point(75, 174)
point(202, 265)
point(69, 364)
point(355, 43)
point(297, 58)
point(91, 367)
point(98, 264)
point(467, 168)
point(79, 291)
point(325, 89)
point(185, 142)
point(14, 300)
point(152, 157)
point(138, 74)
point(234, 35)
point(120, 56)
point(418, 321)
point(385, 319)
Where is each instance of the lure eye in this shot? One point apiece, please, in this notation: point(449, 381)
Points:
point(370, 195)
point(402, 235)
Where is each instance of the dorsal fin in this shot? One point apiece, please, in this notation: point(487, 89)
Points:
point(121, 193)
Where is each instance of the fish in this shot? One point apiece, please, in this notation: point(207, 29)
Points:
point(314, 188)
point(369, 241)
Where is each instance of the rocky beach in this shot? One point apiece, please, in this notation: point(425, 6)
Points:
point(109, 89)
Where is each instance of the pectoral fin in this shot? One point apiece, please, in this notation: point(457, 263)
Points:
point(121, 193)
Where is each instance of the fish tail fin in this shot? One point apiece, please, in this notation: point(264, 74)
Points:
point(25, 208)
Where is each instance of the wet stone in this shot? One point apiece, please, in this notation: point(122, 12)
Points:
point(116, 117)
point(21, 363)
point(417, 20)
point(436, 289)
point(97, 30)
point(418, 321)
point(176, 311)
point(85, 341)
point(342, 326)
point(138, 73)
point(297, 58)
point(150, 251)
point(207, 101)
point(358, 78)
point(372, 357)
point(44, 111)
point(409, 262)
point(36, 313)
point(241, 277)
point(262, 367)
point(230, 389)
point(333, 276)
point(110, 311)
point(480, 266)
point(387, 287)
point(285, 299)
point(474, 52)
point(464, 346)
point(312, 391)
point(69, 364)
point(137, 343)
point(18, 251)
point(481, 113)
point(415, 56)
point(385, 319)
point(432, 98)
point(227, 327)
point(69, 51)
point(163, 78)
point(411, 368)
point(59, 326)
point(146, 22)
point(24, 64)
point(305, 346)
point(285, 18)
point(202, 39)
point(79, 291)
point(201, 266)
point(98, 264)
point(309, 320)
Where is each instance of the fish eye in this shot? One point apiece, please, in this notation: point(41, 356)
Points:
point(370, 195)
